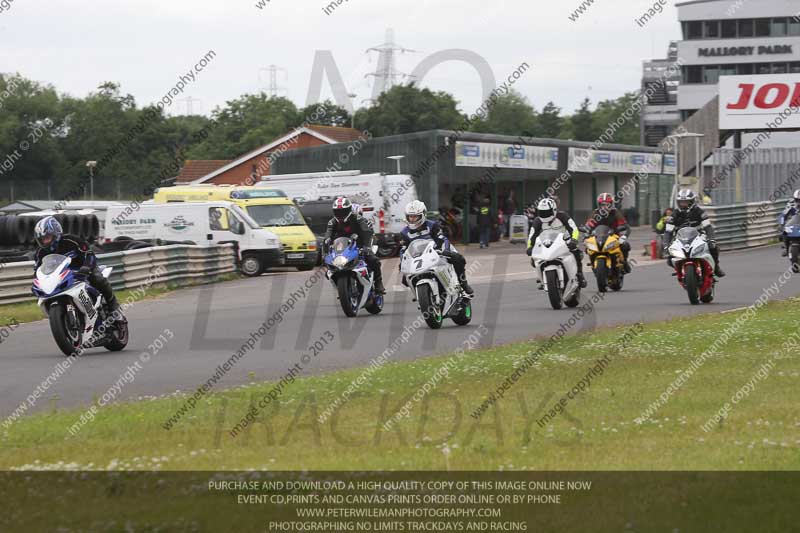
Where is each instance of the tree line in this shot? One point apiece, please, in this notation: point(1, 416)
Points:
point(47, 137)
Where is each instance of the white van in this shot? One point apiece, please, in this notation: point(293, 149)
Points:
point(201, 223)
point(382, 197)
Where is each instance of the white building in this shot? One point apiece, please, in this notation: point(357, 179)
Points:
point(734, 37)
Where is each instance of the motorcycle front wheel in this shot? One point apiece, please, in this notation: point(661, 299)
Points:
point(553, 290)
point(348, 295)
point(67, 337)
point(692, 284)
point(430, 311)
point(601, 273)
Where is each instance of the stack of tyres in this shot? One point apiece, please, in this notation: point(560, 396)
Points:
point(19, 230)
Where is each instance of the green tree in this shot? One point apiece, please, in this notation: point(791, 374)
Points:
point(511, 114)
point(334, 115)
point(613, 111)
point(551, 123)
point(246, 123)
point(581, 125)
point(408, 109)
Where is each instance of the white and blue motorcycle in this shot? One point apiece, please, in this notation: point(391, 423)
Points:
point(351, 278)
point(78, 313)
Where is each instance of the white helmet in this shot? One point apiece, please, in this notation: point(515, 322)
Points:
point(546, 209)
point(415, 214)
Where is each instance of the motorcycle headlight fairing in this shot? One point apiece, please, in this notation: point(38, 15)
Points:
point(340, 261)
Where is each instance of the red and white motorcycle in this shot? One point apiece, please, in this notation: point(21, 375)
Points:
point(694, 265)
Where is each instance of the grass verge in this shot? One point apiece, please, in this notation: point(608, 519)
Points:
point(596, 430)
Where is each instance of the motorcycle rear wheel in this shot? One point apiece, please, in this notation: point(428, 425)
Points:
point(118, 339)
point(68, 339)
point(553, 290)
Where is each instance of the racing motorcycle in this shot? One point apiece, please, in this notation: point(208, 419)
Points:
point(78, 313)
point(691, 258)
point(605, 253)
point(434, 285)
point(791, 234)
point(557, 268)
point(350, 276)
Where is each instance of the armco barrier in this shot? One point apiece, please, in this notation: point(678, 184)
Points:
point(746, 225)
point(182, 264)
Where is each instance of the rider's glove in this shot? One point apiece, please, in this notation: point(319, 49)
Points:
point(85, 271)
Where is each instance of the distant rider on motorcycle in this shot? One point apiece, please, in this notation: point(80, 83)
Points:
point(792, 208)
point(346, 223)
point(52, 240)
point(607, 214)
point(688, 213)
point(548, 217)
point(418, 227)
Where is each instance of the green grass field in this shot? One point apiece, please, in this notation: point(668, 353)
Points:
point(597, 431)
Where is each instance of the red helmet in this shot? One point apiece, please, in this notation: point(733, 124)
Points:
point(605, 201)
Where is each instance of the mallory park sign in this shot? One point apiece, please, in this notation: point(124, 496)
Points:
point(724, 51)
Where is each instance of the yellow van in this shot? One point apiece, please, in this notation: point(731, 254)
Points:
point(270, 208)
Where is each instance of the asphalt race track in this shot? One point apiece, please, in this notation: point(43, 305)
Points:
point(211, 323)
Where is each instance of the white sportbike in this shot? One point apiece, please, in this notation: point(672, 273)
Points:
point(557, 268)
point(78, 313)
point(433, 282)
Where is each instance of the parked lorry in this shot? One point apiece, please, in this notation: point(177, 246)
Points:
point(382, 197)
point(199, 223)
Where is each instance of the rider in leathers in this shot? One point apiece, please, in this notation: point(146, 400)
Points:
point(607, 215)
point(689, 213)
point(418, 227)
point(548, 217)
point(346, 223)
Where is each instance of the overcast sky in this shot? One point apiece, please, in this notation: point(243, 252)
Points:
point(145, 45)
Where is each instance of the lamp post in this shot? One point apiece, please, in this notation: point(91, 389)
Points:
point(91, 165)
point(397, 158)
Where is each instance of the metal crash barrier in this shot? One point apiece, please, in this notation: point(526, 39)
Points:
point(744, 226)
point(176, 265)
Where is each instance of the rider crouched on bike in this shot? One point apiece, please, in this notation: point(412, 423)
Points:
point(792, 208)
point(418, 227)
point(688, 213)
point(346, 223)
point(607, 214)
point(548, 217)
point(51, 239)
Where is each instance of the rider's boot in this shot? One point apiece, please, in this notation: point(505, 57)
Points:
point(718, 271)
point(582, 280)
point(785, 251)
point(465, 286)
point(115, 310)
point(627, 266)
point(379, 288)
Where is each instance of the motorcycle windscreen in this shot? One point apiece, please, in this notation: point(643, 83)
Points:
point(341, 244)
point(687, 235)
point(418, 247)
point(52, 262)
point(601, 233)
point(550, 236)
